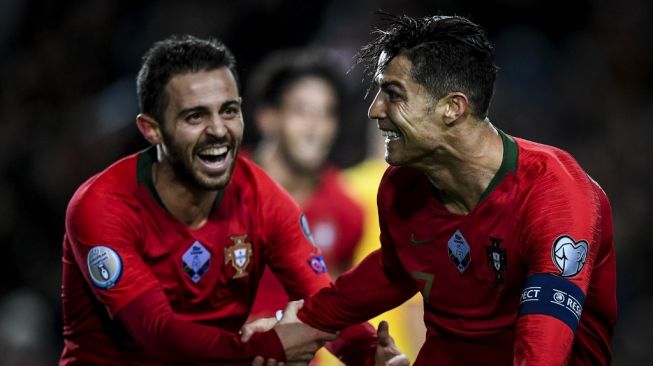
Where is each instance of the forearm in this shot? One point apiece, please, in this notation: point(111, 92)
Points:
point(153, 325)
point(357, 295)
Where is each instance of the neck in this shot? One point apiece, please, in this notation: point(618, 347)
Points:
point(466, 166)
point(300, 184)
point(190, 205)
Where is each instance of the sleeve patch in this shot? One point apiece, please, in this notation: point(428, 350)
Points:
point(306, 229)
point(317, 264)
point(552, 295)
point(569, 255)
point(104, 266)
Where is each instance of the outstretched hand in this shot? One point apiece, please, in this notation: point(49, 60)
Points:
point(387, 352)
point(300, 341)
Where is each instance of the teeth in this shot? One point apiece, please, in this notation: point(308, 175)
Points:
point(215, 151)
point(390, 134)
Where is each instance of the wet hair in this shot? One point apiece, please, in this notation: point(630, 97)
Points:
point(448, 54)
point(279, 72)
point(174, 56)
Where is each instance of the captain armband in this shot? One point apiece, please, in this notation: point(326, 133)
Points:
point(552, 295)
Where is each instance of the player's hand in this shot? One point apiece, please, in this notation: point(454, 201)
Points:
point(300, 341)
point(387, 352)
point(257, 326)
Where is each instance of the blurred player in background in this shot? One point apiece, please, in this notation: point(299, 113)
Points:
point(509, 241)
point(163, 251)
point(362, 181)
point(297, 97)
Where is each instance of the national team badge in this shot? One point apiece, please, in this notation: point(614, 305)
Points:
point(569, 255)
point(459, 251)
point(239, 255)
point(496, 257)
point(196, 261)
point(104, 266)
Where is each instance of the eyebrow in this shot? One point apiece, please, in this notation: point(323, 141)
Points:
point(203, 109)
point(388, 84)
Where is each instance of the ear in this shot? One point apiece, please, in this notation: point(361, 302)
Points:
point(149, 128)
point(456, 105)
point(267, 121)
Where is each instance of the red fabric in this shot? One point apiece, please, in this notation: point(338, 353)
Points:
point(167, 337)
point(471, 315)
point(336, 223)
point(116, 210)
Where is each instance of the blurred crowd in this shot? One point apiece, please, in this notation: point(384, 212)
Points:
point(573, 74)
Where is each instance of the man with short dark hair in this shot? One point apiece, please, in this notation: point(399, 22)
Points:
point(510, 242)
point(164, 249)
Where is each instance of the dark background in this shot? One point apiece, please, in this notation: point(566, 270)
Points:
point(574, 74)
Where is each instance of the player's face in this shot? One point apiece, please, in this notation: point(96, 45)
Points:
point(406, 116)
point(203, 127)
point(308, 123)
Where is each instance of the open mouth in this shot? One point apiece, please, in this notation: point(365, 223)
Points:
point(390, 135)
point(213, 155)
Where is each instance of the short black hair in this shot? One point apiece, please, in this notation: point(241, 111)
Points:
point(174, 56)
point(448, 54)
point(275, 75)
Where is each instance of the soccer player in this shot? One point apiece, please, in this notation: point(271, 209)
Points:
point(509, 241)
point(163, 250)
point(297, 97)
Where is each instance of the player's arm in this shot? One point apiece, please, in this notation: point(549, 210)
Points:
point(563, 235)
point(301, 269)
point(104, 245)
point(360, 294)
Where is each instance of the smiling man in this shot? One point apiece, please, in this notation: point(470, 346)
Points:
point(164, 250)
point(509, 241)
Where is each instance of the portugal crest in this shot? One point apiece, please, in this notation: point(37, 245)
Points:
point(239, 255)
point(496, 257)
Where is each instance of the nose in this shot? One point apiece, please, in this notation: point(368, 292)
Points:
point(216, 127)
point(377, 108)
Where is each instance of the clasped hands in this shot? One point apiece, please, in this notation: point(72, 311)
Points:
point(300, 341)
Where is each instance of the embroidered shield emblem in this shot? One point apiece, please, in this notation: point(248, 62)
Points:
point(239, 255)
point(459, 251)
point(497, 257)
point(196, 261)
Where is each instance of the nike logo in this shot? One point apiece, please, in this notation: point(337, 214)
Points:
point(415, 242)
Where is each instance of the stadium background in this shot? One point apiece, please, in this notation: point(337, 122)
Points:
point(574, 74)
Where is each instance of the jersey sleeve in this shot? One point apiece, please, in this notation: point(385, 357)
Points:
point(103, 229)
point(104, 234)
point(562, 235)
point(292, 257)
point(301, 269)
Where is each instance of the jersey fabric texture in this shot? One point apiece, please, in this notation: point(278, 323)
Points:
point(121, 243)
point(542, 228)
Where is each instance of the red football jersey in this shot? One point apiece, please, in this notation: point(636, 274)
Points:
point(336, 223)
point(121, 242)
point(538, 247)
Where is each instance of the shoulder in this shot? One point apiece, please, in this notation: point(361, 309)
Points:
point(252, 185)
point(537, 161)
point(119, 179)
point(108, 194)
